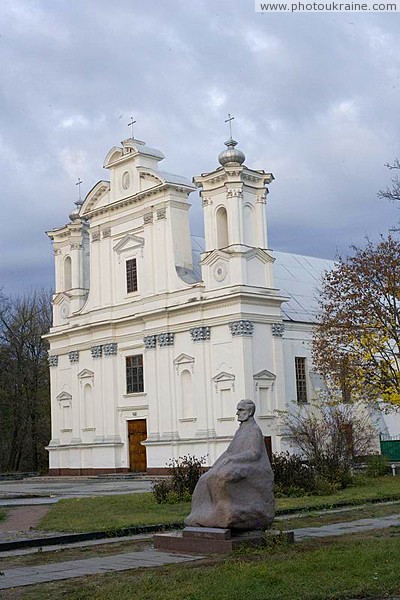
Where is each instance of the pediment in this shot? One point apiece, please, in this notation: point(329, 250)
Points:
point(64, 397)
point(59, 298)
point(214, 256)
point(97, 197)
point(86, 374)
point(183, 359)
point(223, 376)
point(265, 375)
point(261, 254)
point(151, 177)
point(128, 242)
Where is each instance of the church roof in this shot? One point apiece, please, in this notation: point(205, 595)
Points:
point(297, 277)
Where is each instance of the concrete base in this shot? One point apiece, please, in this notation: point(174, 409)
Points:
point(207, 540)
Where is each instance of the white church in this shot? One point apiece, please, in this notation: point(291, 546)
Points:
point(158, 334)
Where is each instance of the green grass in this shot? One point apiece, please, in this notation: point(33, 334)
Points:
point(114, 512)
point(111, 513)
point(354, 566)
point(3, 515)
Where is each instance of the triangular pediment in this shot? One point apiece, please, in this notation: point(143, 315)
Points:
point(183, 359)
point(129, 242)
point(215, 255)
point(59, 298)
point(265, 375)
point(261, 254)
point(223, 376)
point(97, 197)
point(85, 373)
point(64, 397)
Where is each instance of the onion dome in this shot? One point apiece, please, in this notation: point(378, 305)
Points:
point(74, 215)
point(232, 154)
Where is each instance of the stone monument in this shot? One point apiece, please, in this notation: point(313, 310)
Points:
point(233, 502)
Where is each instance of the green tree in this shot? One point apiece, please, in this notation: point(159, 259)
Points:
point(357, 340)
point(24, 381)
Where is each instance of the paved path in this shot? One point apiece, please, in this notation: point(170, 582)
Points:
point(153, 558)
point(51, 489)
point(349, 527)
point(90, 566)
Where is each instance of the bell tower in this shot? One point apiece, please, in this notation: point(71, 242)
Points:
point(235, 226)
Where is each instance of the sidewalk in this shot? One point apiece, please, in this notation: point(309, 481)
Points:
point(90, 566)
point(153, 558)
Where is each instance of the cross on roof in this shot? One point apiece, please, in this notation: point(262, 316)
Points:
point(229, 120)
point(131, 124)
point(79, 183)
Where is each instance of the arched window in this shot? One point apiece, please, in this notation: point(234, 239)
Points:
point(248, 226)
point(67, 273)
point(186, 394)
point(222, 228)
point(88, 408)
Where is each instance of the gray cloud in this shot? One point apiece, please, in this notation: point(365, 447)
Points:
point(315, 99)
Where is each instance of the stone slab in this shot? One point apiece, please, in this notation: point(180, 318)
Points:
point(176, 542)
point(212, 533)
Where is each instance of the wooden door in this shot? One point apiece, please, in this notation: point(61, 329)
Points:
point(137, 432)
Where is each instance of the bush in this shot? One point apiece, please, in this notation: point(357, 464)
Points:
point(377, 465)
point(185, 472)
point(293, 477)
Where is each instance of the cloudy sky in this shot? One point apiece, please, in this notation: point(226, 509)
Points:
point(315, 97)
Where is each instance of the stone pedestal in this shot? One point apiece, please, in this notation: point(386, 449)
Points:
point(210, 540)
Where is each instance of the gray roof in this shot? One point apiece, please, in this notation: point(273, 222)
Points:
point(178, 179)
point(297, 277)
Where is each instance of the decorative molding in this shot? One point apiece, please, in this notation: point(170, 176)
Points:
point(165, 339)
point(278, 329)
point(264, 377)
point(64, 397)
point(77, 246)
point(262, 198)
point(53, 360)
point(106, 232)
point(150, 341)
point(110, 349)
point(200, 334)
point(161, 213)
point(184, 360)
point(95, 236)
point(241, 327)
point(85, 374)
point(148, 218)
point(234, 193)
point(206, 200)
point(73, 356)
point(57, 251)
point(96, 351)
point(224, 377)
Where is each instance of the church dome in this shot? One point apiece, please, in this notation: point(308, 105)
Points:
point(74, 215)
point(231, 154)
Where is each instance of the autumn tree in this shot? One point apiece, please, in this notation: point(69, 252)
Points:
point(24, 382)
point(356, 343)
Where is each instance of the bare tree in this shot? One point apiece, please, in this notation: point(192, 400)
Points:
point(24, 381)
point(392, 193)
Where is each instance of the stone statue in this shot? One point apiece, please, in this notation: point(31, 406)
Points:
point(237, 491)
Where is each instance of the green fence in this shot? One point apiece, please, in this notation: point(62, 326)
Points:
point(390, 447)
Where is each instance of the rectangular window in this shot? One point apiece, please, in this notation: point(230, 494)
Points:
point(301, 379)
point(134, 374)
point(131, 276)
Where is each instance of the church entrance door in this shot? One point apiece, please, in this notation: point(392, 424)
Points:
point(137, 432)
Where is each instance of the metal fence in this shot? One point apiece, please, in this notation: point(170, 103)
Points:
point(390, 446)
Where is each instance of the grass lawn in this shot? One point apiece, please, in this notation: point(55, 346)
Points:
point(115, 512)
point(355, 566)
point(3, 515)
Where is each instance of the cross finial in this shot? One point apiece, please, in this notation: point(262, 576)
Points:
point(229, 120)
point(79, 183)
point(131, 124)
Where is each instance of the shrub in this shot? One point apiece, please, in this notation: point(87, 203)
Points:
point(377, 465)
point(185, 472)
point(293, 477)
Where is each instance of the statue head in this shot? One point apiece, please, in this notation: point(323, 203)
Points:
point(245, 409)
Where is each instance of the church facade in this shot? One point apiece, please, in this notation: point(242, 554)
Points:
point(158, 334)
